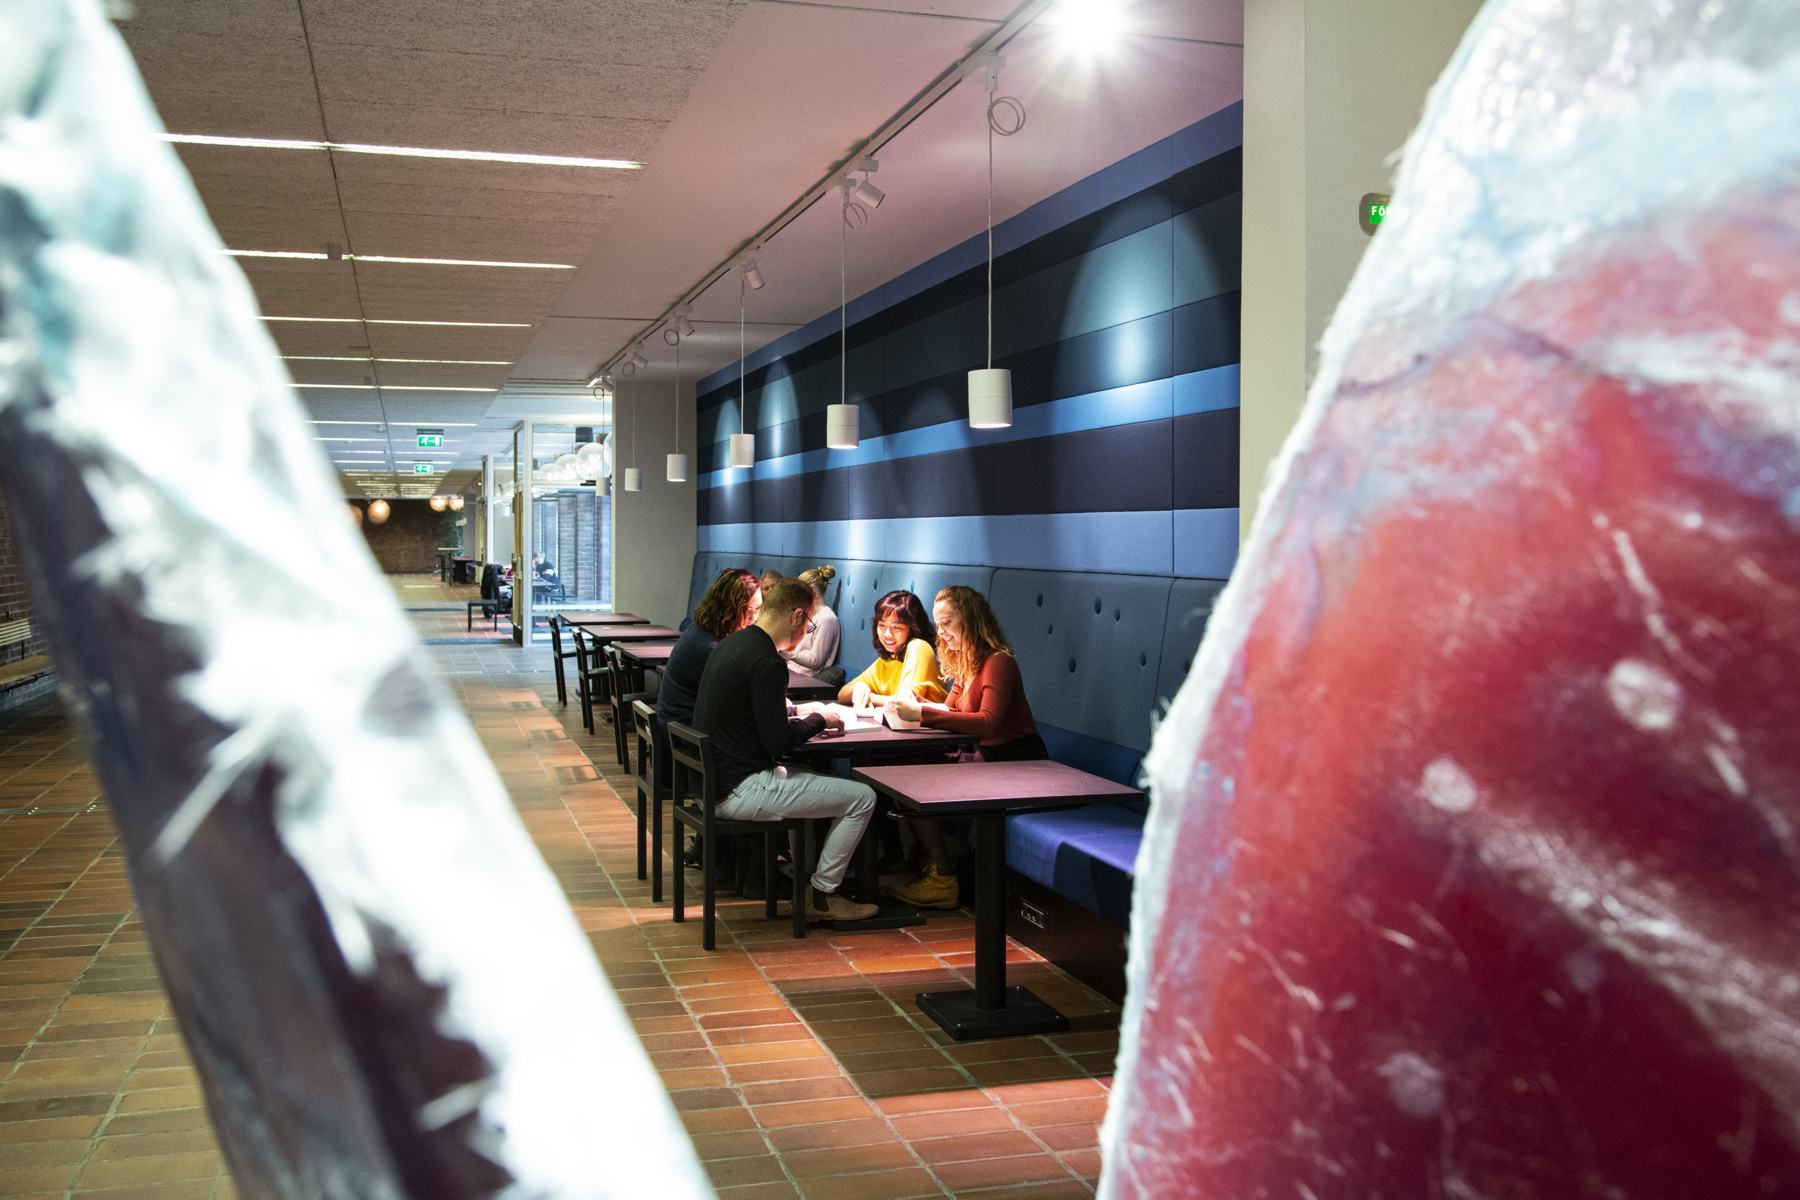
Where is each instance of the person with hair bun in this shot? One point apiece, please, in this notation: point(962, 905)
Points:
point(905, 664)
point(987, 700)
point(818, 649)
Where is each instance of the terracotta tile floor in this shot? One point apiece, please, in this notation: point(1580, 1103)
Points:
point(802, 1068)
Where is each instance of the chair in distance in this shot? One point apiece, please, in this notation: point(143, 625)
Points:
point(691, 765)
point(558, 655)
point(652, 790)
point(591, 673)
point(622, 679)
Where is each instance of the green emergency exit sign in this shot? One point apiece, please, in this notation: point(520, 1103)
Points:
point(431, 441)
point(421, 468)
point(1371, 211)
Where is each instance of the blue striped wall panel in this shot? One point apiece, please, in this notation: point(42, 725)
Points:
point(1116, 308)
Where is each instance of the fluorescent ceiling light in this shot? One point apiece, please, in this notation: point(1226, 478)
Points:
point(361, 321)
point(388, 258)
point(458, 362)
point(388, 387)
point(538, 160)
point(345, 439)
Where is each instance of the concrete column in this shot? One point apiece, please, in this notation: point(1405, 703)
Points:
point(1332, 90)
point(654, 529)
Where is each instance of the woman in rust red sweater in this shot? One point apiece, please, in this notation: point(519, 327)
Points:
point(987, 700)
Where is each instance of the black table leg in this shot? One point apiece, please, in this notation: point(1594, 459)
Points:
point(992, 1009)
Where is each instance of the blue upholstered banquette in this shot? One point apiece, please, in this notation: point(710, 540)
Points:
point(1100, 655)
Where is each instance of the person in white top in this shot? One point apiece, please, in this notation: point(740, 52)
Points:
point(817, 653)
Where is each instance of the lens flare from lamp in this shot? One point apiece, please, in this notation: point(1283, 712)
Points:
point(355, 514)
point(1088, 27)
point(743, 450)
point(632, 480)
point(439, 503)
point(593, 461)
point(990, 399)
point(843, 426)
point(677, 468)
point(378, 511)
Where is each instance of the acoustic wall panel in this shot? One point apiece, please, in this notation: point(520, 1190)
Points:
point(1121, 327)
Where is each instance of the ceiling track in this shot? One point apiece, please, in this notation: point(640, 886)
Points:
point(940, 87)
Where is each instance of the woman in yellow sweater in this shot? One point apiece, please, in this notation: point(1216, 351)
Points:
point(905, 664)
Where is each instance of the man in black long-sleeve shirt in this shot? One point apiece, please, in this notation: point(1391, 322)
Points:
point(742, 707)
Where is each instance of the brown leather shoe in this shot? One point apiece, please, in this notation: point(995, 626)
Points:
point(836, 907)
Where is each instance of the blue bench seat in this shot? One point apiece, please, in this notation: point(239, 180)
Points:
point(1086, 855)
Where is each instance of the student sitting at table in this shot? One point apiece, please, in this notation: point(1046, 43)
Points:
point(743, 709)
point(905, 664)
point(729, 605)
point(768, 579)
point(816, 655)
point(987, 701)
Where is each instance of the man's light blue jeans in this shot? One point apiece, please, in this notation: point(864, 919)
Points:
point(782, 793)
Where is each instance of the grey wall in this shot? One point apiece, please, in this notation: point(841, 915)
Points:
point(654, 529)
point(1332, 89)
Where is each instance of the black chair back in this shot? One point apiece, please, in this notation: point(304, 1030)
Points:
point(557, 655)
point(650, 760)
point(690, 752)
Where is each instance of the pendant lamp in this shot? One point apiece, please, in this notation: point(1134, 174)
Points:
point(677, 470)
point(843, 420)
point(990, 389)
point(633, 481)
point(743, 445)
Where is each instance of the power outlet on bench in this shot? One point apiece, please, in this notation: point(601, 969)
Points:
point(1031, 914)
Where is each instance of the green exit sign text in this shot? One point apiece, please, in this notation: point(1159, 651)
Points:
point(431, 441)
point(1371, 211)
point(421, 468)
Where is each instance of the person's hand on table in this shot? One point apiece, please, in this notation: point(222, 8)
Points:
point(859, 694)
point(907, 708)
point(832, 720)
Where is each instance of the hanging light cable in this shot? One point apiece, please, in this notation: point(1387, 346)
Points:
point(843, 419)
point(633, 480)
point(990, 390)
point(743, 445)
point(677, 472)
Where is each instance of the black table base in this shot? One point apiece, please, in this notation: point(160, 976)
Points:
point(961, 1016)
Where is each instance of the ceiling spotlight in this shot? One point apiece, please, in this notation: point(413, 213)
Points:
point(683, 326)
point(636, 357)
point(670, 335)
point(752, 276)
point(867, 194)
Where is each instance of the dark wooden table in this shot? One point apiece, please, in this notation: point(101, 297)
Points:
point(600, 618)
point(604, 633)
point(651, 655)
point(987, 792)
point(802, 686)
point(865, 748)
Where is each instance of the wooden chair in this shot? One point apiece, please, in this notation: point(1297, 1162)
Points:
point(652, 790)
point(691, 763)
point(627, 686)
point(558, 655)
point(591, 673)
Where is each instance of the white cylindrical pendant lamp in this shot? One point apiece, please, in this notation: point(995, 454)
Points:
point(842, 426)
point(990, 398)
point(677, 468)
point(632, 481)
point(743, 450)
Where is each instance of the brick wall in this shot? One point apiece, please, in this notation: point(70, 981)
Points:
point(15, 605)
point(406, 543)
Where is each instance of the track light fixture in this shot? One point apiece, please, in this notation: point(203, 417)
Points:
point(752, 276)
point(683, 326)
point(867, 194)
point(636, 357)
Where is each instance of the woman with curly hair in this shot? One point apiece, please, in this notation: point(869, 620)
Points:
point(730, 604)
point(987, 701)
point(905, 664)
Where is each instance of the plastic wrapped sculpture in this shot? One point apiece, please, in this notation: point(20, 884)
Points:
point(383, 989)
point(1473, 868)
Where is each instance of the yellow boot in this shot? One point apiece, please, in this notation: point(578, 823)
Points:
point(933, 889)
